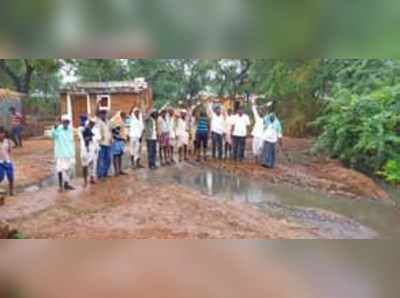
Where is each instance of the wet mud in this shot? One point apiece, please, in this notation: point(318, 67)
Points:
point(208, 200)
point(140, 206)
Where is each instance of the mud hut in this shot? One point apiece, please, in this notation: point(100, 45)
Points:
point(9, 98)
point(83, 98)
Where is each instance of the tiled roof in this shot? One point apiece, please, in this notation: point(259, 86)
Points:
point(9, 94)
point(137, 86)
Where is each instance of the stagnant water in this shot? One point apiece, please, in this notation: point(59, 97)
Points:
point(345, 217)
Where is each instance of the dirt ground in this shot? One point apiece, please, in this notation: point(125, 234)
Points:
point(34, 162)
point(137, 209)
point(297, 166)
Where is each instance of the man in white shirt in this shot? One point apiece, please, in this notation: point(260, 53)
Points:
point(217, 130)
point(240, 130)
point(182, 135)
point(258, 131)
point(136, 130)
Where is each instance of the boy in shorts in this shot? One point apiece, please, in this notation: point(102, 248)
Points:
point(6, 165)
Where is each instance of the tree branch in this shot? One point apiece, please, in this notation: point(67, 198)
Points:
point(12, 75)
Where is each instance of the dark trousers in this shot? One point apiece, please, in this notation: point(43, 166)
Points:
point(239, 146)
point(269, 155)
point(217, 145)
point(202, 140)
point(151, 153)
point(16, 135)
point(104, 161)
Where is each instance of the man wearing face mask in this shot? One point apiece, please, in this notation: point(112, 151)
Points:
point(272, 135)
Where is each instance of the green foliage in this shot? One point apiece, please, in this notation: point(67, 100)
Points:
point(100, 70)
point(294, 85)
point(391, 171)
point(25, 75)
point(361, 130)
point(172, 80)
point(18, 236)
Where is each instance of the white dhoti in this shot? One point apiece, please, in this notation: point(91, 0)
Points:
point(258, 144)
point(182, 139)
point(173, 139)
point(134, 148)
point(228, 138)
point(89, 159)
point(64, 166)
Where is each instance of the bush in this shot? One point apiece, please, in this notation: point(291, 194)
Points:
point(362, 130)
point(391, 172)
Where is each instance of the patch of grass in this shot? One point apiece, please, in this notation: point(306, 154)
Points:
point(17, 235)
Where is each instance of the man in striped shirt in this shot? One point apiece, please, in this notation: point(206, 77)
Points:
point(202, 131)
point(16, 127)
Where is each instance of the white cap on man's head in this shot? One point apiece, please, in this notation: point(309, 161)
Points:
point(65, 117)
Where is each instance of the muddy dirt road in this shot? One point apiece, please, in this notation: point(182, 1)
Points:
point(138, 207)
point(208, 200)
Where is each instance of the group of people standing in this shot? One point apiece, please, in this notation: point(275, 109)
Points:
point(181, 133)
point(229, 133)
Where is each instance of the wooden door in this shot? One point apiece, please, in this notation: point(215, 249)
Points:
point(79, 107)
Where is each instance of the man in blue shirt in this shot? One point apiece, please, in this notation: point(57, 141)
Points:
point(272, 135)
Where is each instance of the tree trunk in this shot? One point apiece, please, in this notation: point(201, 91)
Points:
point(13, 76)
point(27, 77)
point(21, 83)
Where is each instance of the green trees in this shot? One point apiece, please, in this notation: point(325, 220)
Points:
point(353, 104)
point(100, 70)
point(20, 74)
point(360, 124)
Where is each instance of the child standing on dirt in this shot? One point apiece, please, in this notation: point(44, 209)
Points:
point(6, 165)
point(16, 127)
point(89, 152)
point(64, 152)
point(117, 151)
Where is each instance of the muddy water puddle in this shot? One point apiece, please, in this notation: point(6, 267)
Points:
point(333, 217)
point(337, 217)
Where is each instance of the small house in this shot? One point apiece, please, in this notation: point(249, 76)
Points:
point(9, 98)
point(78, 99)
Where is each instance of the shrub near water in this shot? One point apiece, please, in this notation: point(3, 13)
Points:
point(363, 130)
point(391, 172)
